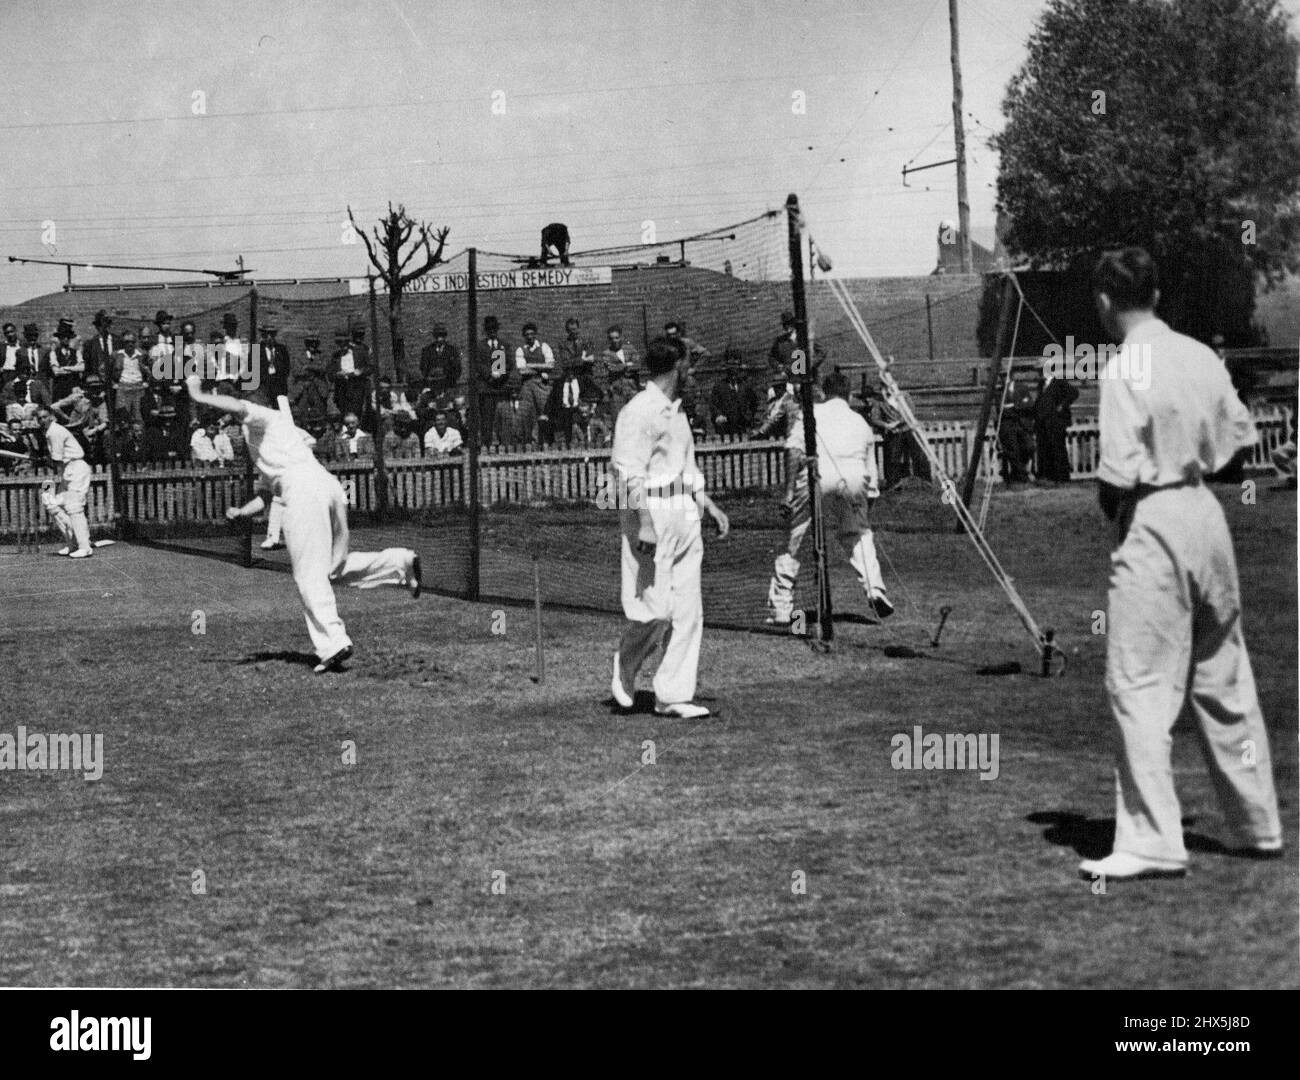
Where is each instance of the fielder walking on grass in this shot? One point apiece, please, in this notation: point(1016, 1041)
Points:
point(662, 544)
point(1169, 417)
point(315, 523)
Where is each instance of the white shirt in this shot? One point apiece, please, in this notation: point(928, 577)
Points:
point(276, 445)
point(521, 356)
point(231, 362)
point(201, 448)
point(442, 444)
point(62, 444)
point(11, 357)
point(654, 449)
point(846, 459)
point(223, 448)
point(1168, 413)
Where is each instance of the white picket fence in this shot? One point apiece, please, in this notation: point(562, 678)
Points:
point(181, 493)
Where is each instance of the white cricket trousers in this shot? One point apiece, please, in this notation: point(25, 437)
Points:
point(662, 602)
point(1174, 638)
point(316, 536)
point(68, 507)
point(844, 512)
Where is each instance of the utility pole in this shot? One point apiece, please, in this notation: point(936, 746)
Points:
point(959, 137)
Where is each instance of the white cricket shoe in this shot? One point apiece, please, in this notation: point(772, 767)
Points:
point(682, 710)
point(81, 554)
point(621, 693)
point(270, 545)
point(1123, 866)
point(64, 551)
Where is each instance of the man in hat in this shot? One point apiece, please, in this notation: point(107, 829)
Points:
point(494, 372)
point(98, 351)
point(161, 349)
point(1052, 424)
point(231, 363)
point(274, 358)
point(351, 373)
point(29, 361)
point(309, 394)
point(732, 404)
point(129, 378)
point(64, 361)
point(783, 408)
point(9, 363)
point(440, 363)
point(1016, 431)
point(782, 351)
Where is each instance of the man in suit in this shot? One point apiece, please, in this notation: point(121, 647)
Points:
point(440, 363)
point(30, 356)
point(98, 351)
point(732, 404)
point(494, 371)
point(12, 348)
point(351, 374)
point(1051, 422)
point(274, 358)
point(309, 396)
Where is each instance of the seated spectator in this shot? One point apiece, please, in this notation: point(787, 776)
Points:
point(11, 443)
point(221, 441)
point(129, 441)
point(388, 403)
point(202, 449)
point(353, 442)
point(400, 439)
point(458, 415)
point(590, 429)
point(442, 439)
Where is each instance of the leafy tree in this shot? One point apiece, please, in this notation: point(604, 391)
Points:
point(390, 237)
point(1173, 125)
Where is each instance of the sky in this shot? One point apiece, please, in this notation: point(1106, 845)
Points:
point(189, 134)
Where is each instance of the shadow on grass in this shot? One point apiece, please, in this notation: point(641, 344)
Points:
point(1093, 838)
point(285, 656)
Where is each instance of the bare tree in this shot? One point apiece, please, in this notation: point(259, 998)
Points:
point(391, 235)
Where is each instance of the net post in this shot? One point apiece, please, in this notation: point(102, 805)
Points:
point(990, 391)
point(825, 623)
point(250, 478)
point(471, 378)
point(381, 470)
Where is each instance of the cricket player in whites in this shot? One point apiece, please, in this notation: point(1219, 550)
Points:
point(315, 523)
point(662, 545)
point(1169, 417)
point(67, 507)
point(846, 462)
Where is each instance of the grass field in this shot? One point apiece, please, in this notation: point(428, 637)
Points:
point(224, 754)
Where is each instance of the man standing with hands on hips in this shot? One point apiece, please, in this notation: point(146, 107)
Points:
point(1170, 417)
point(662, 545)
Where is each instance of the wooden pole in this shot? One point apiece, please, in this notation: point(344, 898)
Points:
point(250, 477)
point(537, 611)
point(471, 482)
point(825, 627)
point(959, 138)
point(992, 391)
point(381, 472)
